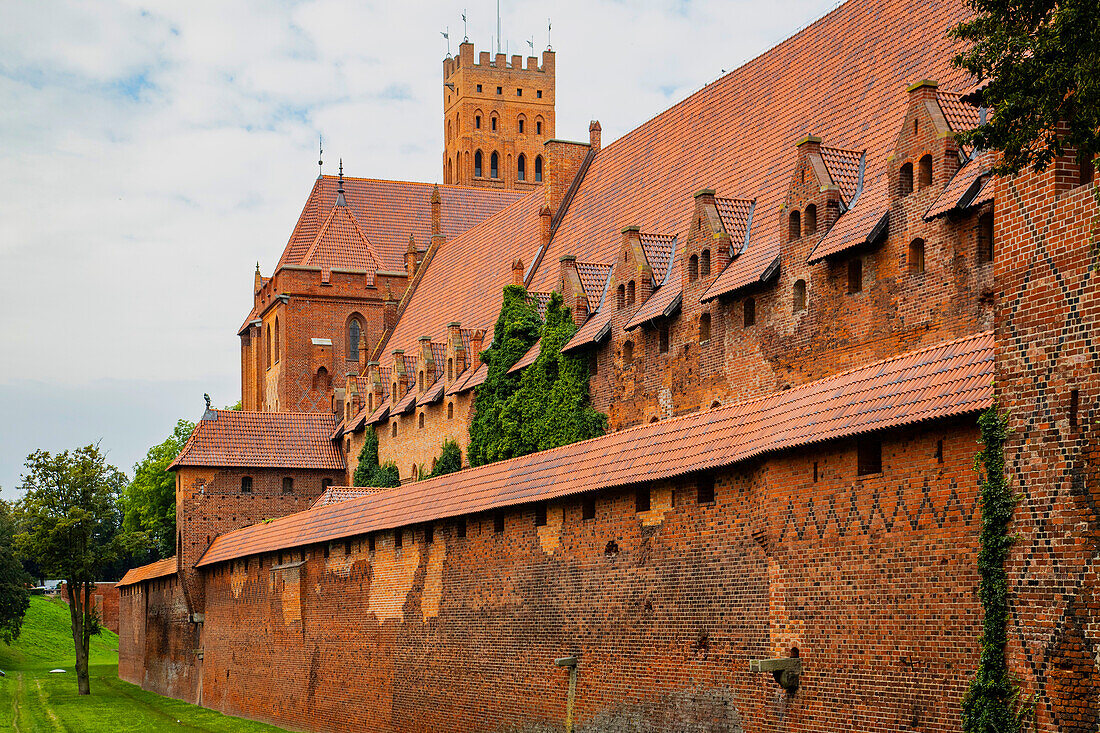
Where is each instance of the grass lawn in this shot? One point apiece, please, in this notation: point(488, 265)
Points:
point(33, 699)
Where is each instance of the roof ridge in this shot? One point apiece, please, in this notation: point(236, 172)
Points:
point(452, 186)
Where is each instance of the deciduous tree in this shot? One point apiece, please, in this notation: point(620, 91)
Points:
point(149, 501)
point(14, 597)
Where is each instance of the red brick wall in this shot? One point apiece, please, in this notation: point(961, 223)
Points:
point(871, 578)
point(1048, 344)
point(104, 600)
point(157, 647)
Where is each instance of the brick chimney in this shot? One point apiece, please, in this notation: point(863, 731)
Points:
point(400, 375)
point(389, 310)
point(425, 362)
point(410, 256)
point(563, 163)
point(643, 273)
point(437, 218)
point(571, 288)
point(456, 350)
point(545, 218)
point(594, 130)
point(374, 397)
point(517, 271)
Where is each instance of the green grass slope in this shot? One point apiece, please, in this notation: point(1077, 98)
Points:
point(33, 699)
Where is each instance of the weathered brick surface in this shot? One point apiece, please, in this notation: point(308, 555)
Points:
point(1047, 327)
point(871, 578)
point(158, 643)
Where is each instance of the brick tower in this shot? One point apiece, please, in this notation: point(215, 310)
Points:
point(496, 117)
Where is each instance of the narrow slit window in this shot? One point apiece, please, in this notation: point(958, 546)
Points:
point(925, 166)
point(916, 257)
point(855, 275)
point(662, 338)
point(288, 485)
point(905, 180)
point(588, 508)
point(704, 263)
point(750, 312)
point(540, 514)
point(809, 224)
point(498, 522)
point(794, 229)
point(704, 328)
point(705, 489)
point(799, 296)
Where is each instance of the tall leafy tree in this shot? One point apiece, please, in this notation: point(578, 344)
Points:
point(449, 461)
point(69, 521)
point(368, 472)
point(516, 331)
point(551, 405)
point(149, 501)
point(14, 597)
point(1042, 61)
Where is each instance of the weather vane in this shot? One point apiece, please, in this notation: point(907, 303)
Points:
point(320, 154)
point(465, 34)
point(446, 33)
point(548, 27)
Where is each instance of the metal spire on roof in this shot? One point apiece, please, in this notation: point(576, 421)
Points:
point(320, 153)
point(465, 33)
point(340, 200)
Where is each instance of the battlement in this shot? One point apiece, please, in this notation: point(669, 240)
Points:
point(488, 62)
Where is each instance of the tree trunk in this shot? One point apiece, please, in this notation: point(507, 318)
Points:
point(78, 602)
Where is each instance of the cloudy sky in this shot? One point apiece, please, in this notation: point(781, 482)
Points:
point(150, 154)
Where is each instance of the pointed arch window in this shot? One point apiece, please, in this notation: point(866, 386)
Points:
point(268, 354)
point(925, 171)
point(494, 165)
point(276, 352)
point(809, 224)
point(630, 294)
point(799, 296)
point(355, 332)
point(794, 228)
point(538, 167)
point(477, 164)
point(521, 165)
point(916, 257)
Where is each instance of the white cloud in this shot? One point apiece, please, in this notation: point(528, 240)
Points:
point(151, 154)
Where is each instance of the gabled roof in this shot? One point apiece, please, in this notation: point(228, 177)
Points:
point(966, 188)
point(663, 302)
point(340, 243)
point(960, 115)
point(862, 225)
point(541, 301)
point(736, 216)
point(152, 571)
point(594, 279)
point(945, 380)
point(844, 76)
point(658, 250)
point(432, 394)
point(528, 358)
point(594, 330)
point(337, 494)
point(844, 168)
point(389, 211)
point(380, 413)
point(406, 403)
point(262, 439)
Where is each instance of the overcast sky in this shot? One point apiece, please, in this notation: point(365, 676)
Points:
point(150, 154)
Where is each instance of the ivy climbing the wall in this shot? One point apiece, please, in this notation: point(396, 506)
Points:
point(993, 704)
point(368, 472)
point(551, 406)
point(516, 331)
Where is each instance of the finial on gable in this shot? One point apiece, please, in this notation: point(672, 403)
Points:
point(340, 200)
point(320, 154)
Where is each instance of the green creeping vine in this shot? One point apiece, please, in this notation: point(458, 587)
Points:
point(993, 704)
point(368, 472)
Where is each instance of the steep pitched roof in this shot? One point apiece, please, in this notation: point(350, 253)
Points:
point(465, 280)
point(663, 301)
point(843, 76)
point(960, 115)
point(262, 439)
point(861, 225)
point(966, 187)
point(945, 380)
point(844, 169)
point(340, 243)
point(152, 571)
point(658, 250)
point(736, 216)
point(337, 494)
point(389, 211)
point(594, 279)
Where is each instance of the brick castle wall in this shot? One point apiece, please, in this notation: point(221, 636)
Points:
point(157, 647)
point(871, 578)
point(105, 602)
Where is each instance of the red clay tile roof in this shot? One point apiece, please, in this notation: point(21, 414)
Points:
point(965, 187)
point(959, 114)
point(380, 413)
point(439, 354)
point(594, 330)
point(263, 439)
point(844, 169)
point(389, 211)
point(460, 381)
point(541, 301)
point(527, 359)
point(658, 250)
point(405, 404)
point(465, 279)
point(476, 378)
point(757, 263)
point(945, 380)
point(737, 135)
point(432, 394)
point(338, 431)
point(594, 278)
point(356, 423)
point(859, 226)
point(736, 215)
point(337, 494)
point(662, 302)
point(342, 244)
point(152, 571)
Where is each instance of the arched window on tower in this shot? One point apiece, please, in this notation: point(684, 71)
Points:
point(521, 167)
point(538, 127)
point(276, 352)
point(916, 257)
point(693, 268)
point(926, 171)
point(267, 356)
point(704, 263)
point(494, 165)
point(321, 380)
point(905, 181)
point(799, 296)
point(630, 294)
point(355, 331)
point(809, 225)
point(477, 164)
point(538, 168)
point(620, 298)
point(794, 230)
